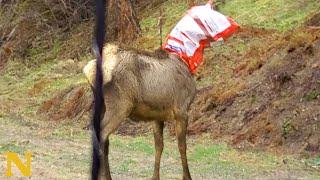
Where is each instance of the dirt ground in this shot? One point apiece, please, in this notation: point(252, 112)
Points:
point(62, 151)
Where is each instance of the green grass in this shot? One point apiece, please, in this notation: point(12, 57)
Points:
point(12, 147)
point(271, 14)
point(286, 127)
point(32, 86)
point(313, 161)
point(317, 161)
point(127, 165)
point(139, 144)
point(206, 158)
point(314, 94)
point(173, 10)
point(65, 130)
point(225, 162)
point(35, 55)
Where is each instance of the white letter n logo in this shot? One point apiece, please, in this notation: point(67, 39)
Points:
point(25, 169)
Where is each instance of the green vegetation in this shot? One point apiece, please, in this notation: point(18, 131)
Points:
point(173, 10)
point(139, 144)
point(314, 94)
point(11, 147)
point(286, 127)
point(67, 130)
point(226, 162)
point(313, 162)
point(219, 160)
point(28, 88)
point(280, 14)
point(317, 161)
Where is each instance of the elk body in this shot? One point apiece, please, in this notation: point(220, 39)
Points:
point(144, 88)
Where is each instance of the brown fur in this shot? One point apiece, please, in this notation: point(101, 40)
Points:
point(144, 88)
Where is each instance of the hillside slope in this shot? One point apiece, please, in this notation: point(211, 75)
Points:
point(277, 105)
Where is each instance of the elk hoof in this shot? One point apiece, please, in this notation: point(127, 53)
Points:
point(186, 178)
point(155, 178)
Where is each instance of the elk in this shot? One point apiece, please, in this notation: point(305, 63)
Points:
point(143, 88)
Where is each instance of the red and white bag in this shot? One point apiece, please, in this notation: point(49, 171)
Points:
point(194, 32)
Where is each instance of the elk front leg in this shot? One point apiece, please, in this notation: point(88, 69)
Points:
point(105, 160)
point(158, 143)
point(181, 131)
point(116, 112)
point(109, 126)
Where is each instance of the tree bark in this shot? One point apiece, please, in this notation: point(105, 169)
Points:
point(123, 24)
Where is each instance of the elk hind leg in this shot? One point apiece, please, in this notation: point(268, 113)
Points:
point(181, 131)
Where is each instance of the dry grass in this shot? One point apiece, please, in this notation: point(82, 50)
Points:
point(226, 94)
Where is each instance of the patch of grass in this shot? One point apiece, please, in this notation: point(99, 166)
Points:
point(12, 147)
point(20, 77)
point(173, 10)
point(314, 164)
point(213, 160)
point(253, 99)
point(271, 14)
point(142, 147)
point(286, 127)
point(204, 153)
point(62, 83)
point(221, 61)
point(139, 144)
point(317, 161)
point(29, 87)
point(42, 53)
point(125, 166)
point(222, 161)
point(314, 94)
point(205, 158)
point(67, 130)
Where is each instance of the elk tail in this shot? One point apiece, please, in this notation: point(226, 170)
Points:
point(98, 42)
